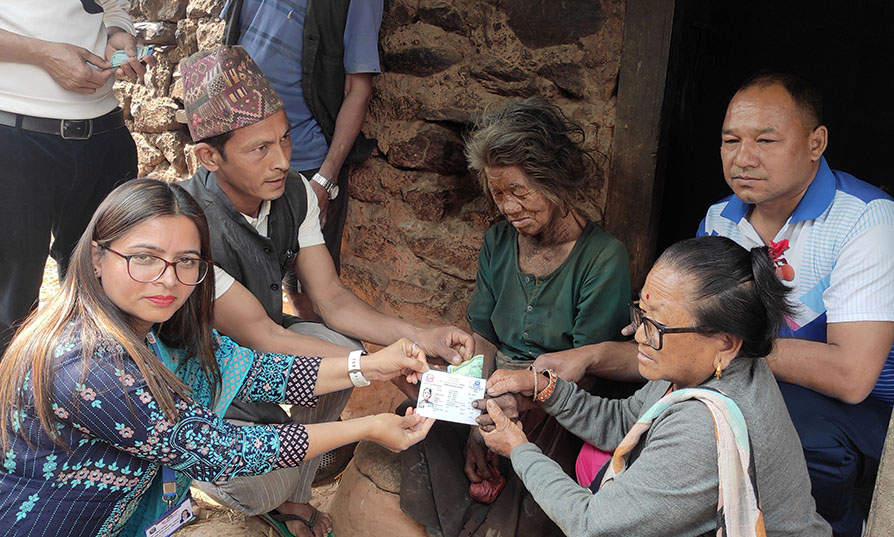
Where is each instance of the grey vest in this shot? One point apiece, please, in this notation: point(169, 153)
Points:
point(255, 261)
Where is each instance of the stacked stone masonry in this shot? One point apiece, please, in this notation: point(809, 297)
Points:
point(416, 216)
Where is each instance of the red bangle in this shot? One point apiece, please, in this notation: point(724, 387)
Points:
point(550, 388)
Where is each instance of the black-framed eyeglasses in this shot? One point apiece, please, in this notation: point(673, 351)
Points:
point(147, 268)
point(654, 331)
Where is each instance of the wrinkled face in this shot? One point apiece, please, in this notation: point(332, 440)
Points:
point(257, 160)
point(168, 237)
point(686, 359)
point(769, 155)
point(520, 202)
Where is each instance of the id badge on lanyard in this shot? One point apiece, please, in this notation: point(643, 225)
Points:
point(176, 515)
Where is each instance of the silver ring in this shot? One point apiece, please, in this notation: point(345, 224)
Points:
point(415, 344)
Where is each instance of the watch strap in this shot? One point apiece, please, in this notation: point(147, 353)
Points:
point(354, 372)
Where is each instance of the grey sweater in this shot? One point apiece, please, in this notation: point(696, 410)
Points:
point(670, 485)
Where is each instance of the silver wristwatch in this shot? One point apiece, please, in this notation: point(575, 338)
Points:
point(331, 188)
point(357, 378)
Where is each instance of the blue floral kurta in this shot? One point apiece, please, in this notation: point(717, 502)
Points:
point(119, 439)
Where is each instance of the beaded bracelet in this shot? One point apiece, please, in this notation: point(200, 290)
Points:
point(550, 388)
point(534, 393)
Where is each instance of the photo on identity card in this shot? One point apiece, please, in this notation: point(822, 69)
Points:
point(446, 396)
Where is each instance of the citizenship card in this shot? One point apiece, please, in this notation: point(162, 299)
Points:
point(446, 396)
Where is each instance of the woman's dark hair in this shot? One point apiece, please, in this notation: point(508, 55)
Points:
point(734, 290)
point(538, 137)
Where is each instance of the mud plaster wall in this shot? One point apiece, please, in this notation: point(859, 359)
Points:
point(416, 217)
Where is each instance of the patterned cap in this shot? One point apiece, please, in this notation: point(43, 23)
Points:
point(224, 90)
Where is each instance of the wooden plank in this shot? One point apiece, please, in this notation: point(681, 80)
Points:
point(635, 182)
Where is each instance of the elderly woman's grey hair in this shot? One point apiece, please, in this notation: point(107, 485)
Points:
point(536, 136)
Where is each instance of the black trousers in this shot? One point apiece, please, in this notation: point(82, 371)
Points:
point(50, 185)
point(335, 224)
point(840, 442)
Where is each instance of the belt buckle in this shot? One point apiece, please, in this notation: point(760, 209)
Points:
point(76, 129)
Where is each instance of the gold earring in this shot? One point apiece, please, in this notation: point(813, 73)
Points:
point(719, 371)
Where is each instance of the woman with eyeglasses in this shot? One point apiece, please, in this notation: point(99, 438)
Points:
point(111, 394)
point(707, 446)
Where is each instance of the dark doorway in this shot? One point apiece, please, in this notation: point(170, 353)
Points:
point(844, 47)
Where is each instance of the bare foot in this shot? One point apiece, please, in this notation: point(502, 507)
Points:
point(298, 528)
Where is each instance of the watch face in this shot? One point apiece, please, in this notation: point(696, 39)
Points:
point(333, 193)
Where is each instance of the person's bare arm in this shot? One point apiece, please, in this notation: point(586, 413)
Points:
point(238, 314)
point(345, 312)
point(358, 88)
point(69, 65)
point(846, 367)
point(614, 360)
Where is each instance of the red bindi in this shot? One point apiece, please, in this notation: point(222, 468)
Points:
point(647, 296)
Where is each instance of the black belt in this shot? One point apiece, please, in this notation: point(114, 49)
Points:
point(68, 129)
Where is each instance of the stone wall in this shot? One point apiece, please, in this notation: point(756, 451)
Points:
point(416, 216)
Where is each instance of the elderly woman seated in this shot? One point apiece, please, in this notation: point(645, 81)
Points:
point(550, 283)
point(692, 448)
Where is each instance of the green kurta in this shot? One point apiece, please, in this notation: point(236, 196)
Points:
point(583, 301)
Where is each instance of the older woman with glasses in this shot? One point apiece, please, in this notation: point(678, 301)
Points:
point(706, 447)
point(111, 394)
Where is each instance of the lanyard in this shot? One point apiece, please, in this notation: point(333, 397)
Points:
point(169, 480)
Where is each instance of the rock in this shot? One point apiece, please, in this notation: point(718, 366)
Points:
point(360, 507)
point(176, 87)
point(209, 33)
point(498, 69)
point(197, 9)
point(148, 156)
point(503, 78)
point(546, 23)
point(186, 37)
point(451, 249)
point(397, 14)
point(154, 115)
point(443, 15)
point(158, 77)
point(171, 144)
point(364, 182)
point(428, 146)
point(165, 172)
point(162, 10)
point(450, 114)
point(192, 163)
point(570, 77)
point(421, 61)
point(123, 90)
point(380, 465)
point(157, 33)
